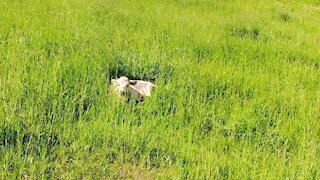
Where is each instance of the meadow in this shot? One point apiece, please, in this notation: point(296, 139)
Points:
point(238, 92)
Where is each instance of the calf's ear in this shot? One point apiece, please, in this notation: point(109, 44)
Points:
point(113, 81)
point(132, 82)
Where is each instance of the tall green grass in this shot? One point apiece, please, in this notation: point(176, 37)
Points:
point(238, 92)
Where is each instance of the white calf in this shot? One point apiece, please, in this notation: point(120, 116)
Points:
point(133, 88)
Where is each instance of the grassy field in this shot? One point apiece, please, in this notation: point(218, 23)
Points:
point(238, 92)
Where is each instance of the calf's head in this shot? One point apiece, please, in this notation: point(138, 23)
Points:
point(121, 84)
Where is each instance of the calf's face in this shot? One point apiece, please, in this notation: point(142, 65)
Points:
point(121, 84)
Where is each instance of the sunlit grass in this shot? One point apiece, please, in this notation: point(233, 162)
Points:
point(238, 89)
